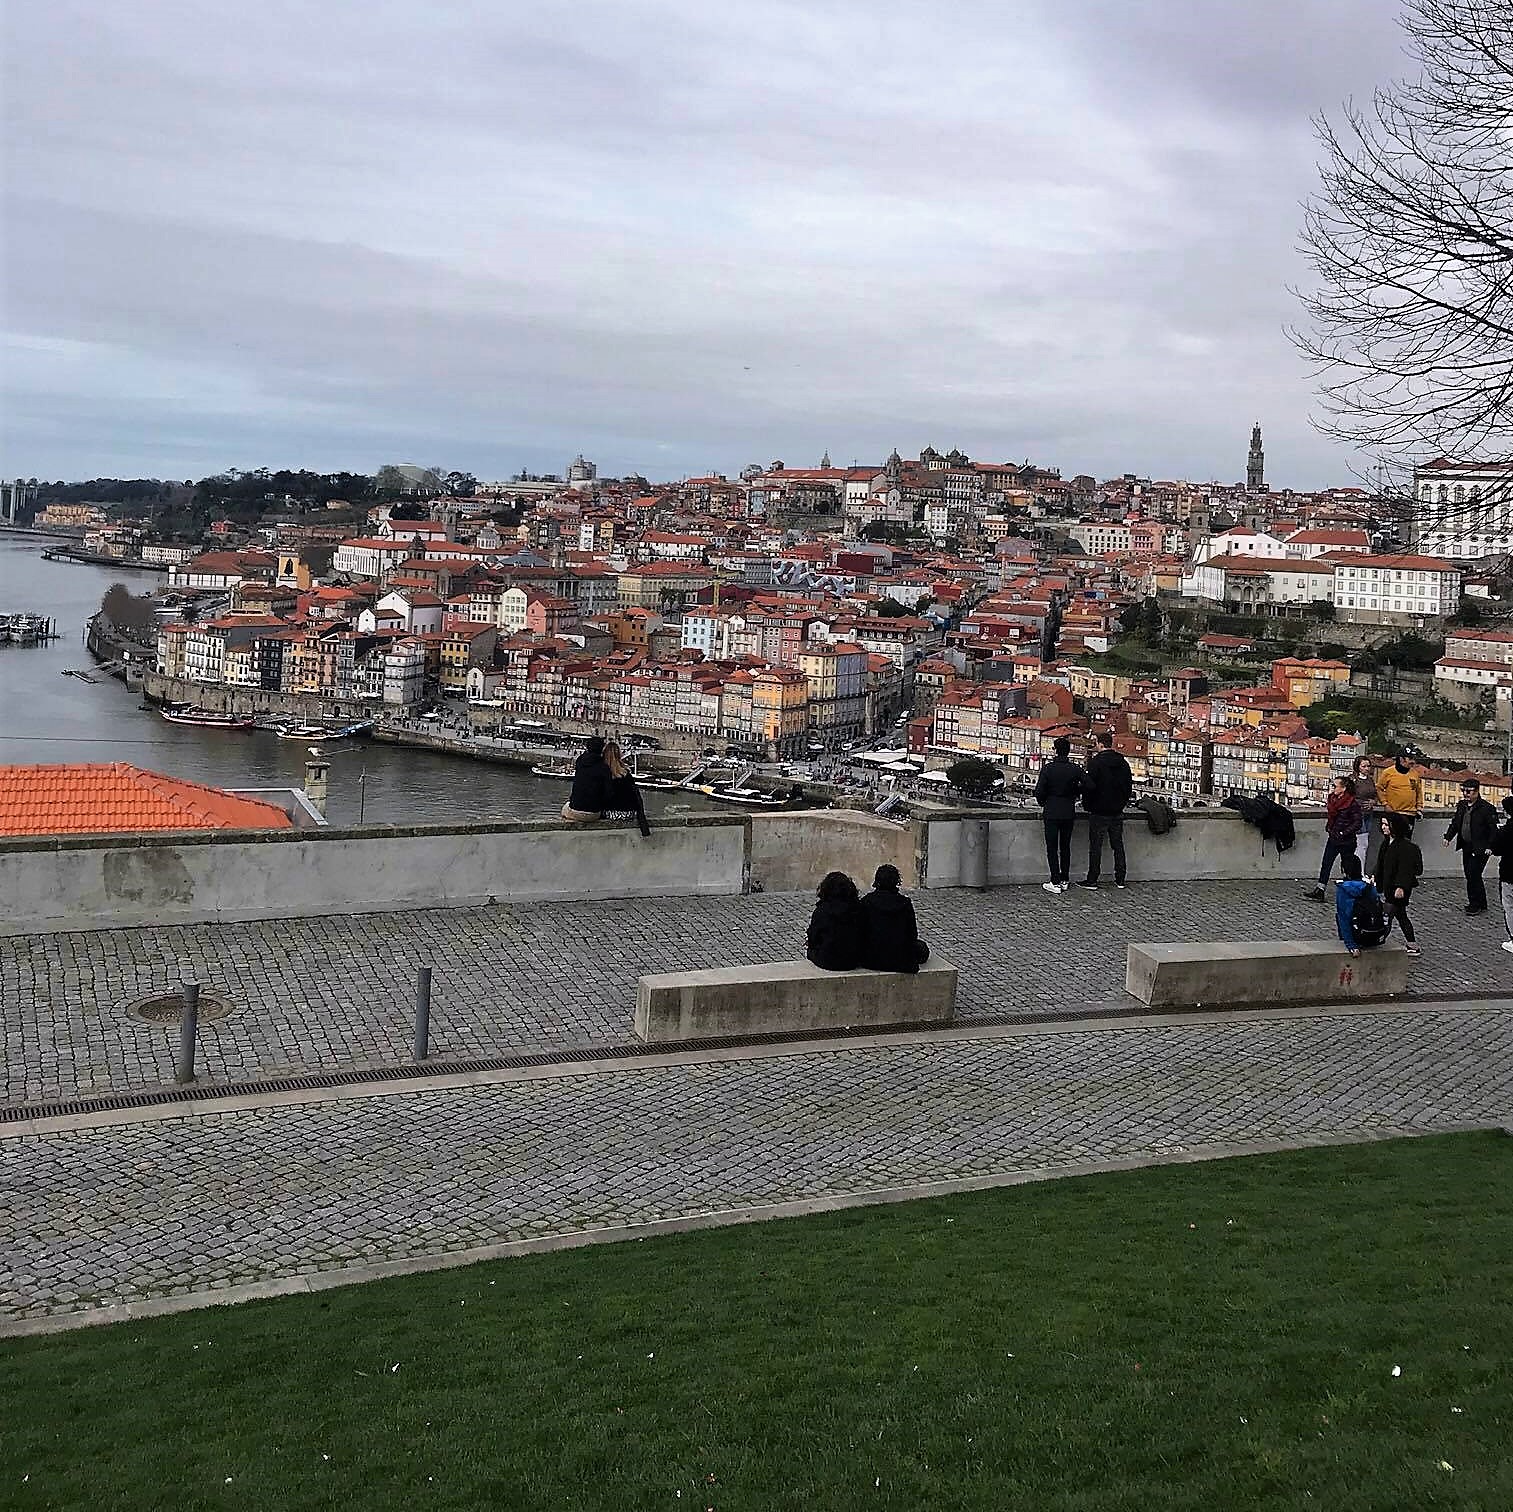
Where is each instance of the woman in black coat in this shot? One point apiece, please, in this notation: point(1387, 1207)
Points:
point(1399, 865)
point(891, 941)
point(591, 777)
point(836, 929)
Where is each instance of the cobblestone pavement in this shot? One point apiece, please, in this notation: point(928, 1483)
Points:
point(318, 993)
point(103, 1215)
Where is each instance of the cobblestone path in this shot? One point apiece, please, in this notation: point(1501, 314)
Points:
point(96, 1216)
point(319, 993)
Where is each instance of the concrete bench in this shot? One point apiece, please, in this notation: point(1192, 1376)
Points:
point(1262, 971)
point(779, 997)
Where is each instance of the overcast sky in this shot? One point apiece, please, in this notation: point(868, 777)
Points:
point(676, 236)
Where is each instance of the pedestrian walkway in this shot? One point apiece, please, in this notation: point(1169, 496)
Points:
point(212, 1203)
point(320, 994)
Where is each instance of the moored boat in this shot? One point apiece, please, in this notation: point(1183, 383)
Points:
point(209, 719)
point(558, 773)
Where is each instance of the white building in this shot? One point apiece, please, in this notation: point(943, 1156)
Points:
point(712, 631)
point(404, 673)
point(369, 556)
point(1463, 509)
point(1384, 590)
point(1239, 541)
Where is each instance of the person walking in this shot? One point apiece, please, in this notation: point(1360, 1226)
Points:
point(1107, 787)
point(1399, 865)
point(590, 791)
point(1343, 820)
point(837, 929)
point(1473, 830)
point(890, 939)
point(1363, 775)
point(622, 798)
point(1400, 790)
point(1056, 791)
point(1502, 848)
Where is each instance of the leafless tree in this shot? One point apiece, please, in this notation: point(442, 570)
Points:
point(1410, 321)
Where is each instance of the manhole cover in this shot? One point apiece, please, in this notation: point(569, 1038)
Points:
point(165, 1009)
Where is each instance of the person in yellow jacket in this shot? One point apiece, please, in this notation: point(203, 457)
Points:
point(1400, 790)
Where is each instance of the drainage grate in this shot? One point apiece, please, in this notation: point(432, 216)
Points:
point(165, 1010)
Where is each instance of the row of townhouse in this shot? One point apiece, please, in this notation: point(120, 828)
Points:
point(274, 655)
point(836, 691)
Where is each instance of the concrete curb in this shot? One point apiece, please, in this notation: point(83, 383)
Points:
point(356, 1275)
point(612, 1063)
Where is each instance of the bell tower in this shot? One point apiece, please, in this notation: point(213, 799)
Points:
point(1255, 464)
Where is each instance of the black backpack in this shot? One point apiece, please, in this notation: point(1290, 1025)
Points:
point(1368, 919)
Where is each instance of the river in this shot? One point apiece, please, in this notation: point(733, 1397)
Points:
point(45, 716)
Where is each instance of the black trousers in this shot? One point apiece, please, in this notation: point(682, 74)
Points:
point(1472, 863)
point(1058, 843)
point(1099, 825)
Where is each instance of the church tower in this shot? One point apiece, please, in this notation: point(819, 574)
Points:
point(1255, 464)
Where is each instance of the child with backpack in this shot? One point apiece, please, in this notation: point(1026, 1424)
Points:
point(1358, 911)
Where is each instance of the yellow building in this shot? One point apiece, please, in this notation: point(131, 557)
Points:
point(1311, 681)
point(780, 708)
point(462, 649)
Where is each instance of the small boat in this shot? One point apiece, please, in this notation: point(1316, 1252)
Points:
point(558, 773)
point(302, 732)
point(750, 796)
point(665, 784)
point(207, 718)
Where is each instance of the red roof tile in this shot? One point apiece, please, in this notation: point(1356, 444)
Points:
point(89, 798)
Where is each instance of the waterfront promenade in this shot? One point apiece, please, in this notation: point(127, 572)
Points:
point(176, 1204)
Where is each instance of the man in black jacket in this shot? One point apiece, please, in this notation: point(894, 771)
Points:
point(1056, 792)
point(1106, 791)
point(1473, 829)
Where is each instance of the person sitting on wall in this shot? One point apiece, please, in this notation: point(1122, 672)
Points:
point(590, 791)
point(837, 928)
point(891, 940)
point(623, 798)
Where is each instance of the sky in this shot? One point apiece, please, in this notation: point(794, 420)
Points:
point(671, 235)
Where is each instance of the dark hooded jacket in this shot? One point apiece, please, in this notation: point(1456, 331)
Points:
point(1059, 785)
point(1107, 784)
point(590, 794)
point(891, 941)
point(837, 933)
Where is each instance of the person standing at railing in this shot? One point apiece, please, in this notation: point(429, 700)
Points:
point(1056, 791)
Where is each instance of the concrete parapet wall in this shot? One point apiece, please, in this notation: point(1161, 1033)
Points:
point(790, 852)
point(1206, 845)
point(84, 882)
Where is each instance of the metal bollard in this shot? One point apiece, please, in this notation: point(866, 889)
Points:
point(974, 853)
point(189, 1028)
point(422, 1013)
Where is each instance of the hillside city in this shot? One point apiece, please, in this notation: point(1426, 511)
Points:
point(1234, 637)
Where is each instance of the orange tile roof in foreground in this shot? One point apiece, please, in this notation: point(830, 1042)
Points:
point(88, 798)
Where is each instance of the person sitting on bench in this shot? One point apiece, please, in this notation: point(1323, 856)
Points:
point(891, 940)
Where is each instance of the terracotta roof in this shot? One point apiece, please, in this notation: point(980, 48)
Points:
point(89, 798)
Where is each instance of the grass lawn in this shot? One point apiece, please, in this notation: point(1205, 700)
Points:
point(1221, 1336)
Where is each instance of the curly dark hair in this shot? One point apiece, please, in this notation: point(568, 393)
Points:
point(836, 887)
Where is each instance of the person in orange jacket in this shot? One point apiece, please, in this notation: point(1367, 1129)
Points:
point(1400, 790)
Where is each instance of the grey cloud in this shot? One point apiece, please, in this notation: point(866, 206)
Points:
point(675, 235)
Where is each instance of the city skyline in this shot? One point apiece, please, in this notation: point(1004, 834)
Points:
point(669, 239)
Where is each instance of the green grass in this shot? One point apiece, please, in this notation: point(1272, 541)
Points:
point(1219, 1336)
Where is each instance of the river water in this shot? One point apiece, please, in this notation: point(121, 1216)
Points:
point(45, 716)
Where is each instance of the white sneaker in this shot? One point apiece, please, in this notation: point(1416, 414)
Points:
point(1054, 887)
point(1508, 946)
point(1063, 887)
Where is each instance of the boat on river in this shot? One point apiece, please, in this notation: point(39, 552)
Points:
point(326, 732)
point(749, 796)
point(556, 773)
point(209, 719)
